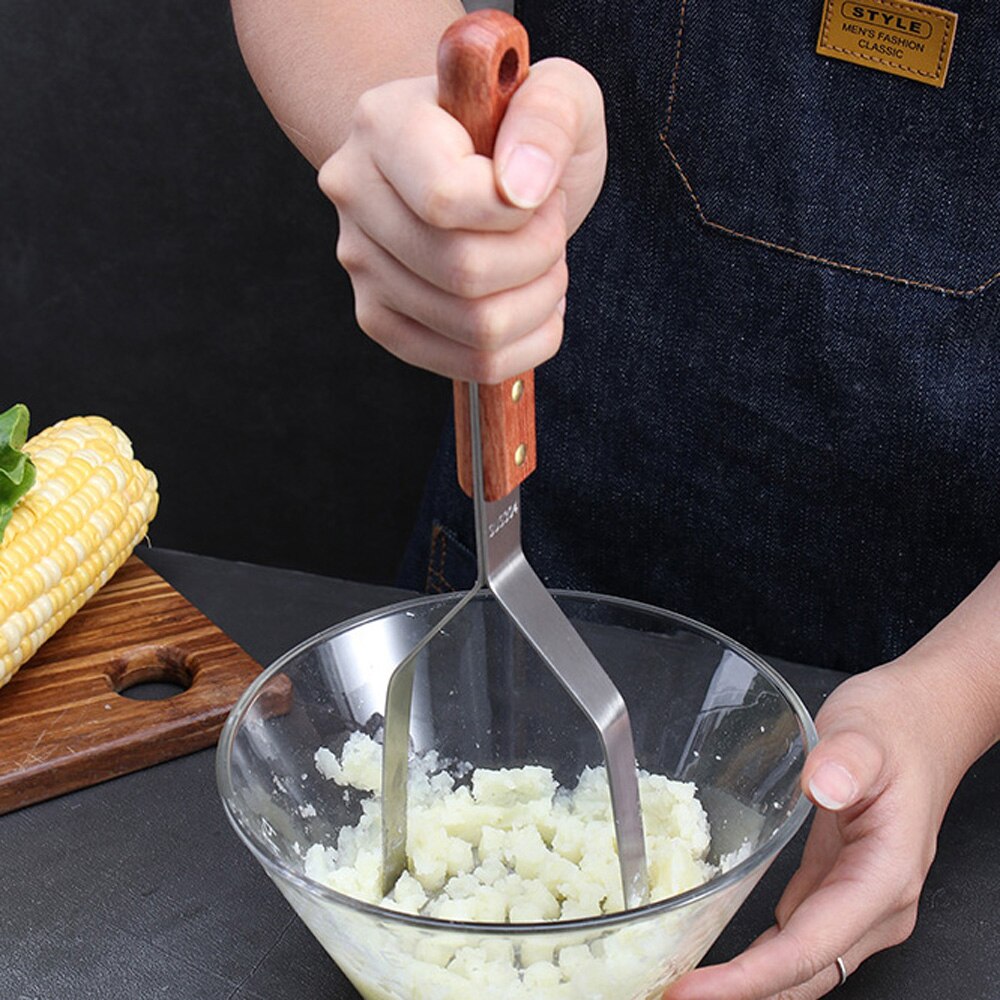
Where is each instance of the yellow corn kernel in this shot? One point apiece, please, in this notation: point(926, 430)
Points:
point(91, 504)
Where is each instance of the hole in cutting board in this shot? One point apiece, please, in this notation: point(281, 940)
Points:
point(152, 691)
point(152, 674)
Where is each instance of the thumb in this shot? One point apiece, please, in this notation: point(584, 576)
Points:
point(557, 113)
point(844, 768)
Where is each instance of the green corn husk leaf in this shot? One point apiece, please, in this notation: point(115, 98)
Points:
point(17, 472)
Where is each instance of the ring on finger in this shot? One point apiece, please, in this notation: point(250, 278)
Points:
point(841, 970)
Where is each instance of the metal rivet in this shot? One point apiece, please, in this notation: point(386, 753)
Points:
point(520, 454)
point(517, 390)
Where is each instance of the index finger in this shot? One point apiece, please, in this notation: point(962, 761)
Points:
point(824, 926)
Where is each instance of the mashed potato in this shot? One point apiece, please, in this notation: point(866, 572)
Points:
point(509, 846)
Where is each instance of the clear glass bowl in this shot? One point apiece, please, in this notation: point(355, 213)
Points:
point(703, 709)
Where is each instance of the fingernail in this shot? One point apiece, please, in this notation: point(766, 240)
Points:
point(833, 786)
point(561, 306)
point(527, 175)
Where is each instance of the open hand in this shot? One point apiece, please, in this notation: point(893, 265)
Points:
point(882, 782)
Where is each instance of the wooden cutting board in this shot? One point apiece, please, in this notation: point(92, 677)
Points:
point(63, 723)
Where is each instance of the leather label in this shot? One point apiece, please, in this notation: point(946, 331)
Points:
point(908, 39)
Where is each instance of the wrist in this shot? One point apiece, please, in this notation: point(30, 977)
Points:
point(956, 666)
point(953, 693)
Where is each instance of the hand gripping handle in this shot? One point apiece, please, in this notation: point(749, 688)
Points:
point(482, 60)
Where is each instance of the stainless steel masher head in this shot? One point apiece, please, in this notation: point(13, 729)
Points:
point(482, 59)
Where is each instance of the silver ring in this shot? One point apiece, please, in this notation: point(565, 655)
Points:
point(842, 969)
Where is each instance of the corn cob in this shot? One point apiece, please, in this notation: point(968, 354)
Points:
point(89, 507)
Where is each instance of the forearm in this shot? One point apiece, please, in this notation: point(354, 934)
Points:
point(956, 668)
point(312, 59)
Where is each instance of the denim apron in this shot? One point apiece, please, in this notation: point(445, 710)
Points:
point(777, 404)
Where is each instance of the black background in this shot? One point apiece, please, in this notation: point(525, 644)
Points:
point(167, 260)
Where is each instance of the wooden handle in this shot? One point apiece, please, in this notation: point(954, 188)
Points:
point(482, 60)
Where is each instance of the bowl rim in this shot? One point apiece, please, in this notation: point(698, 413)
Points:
point(758, 860)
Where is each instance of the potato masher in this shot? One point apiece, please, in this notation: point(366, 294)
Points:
point(482, 59)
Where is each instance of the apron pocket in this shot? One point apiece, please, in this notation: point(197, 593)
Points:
point(450, 564)
point(834, 163)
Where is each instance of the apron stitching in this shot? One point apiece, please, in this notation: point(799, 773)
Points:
point(964, 293)
point(439, 548)
point(437, 584)
point(677, 66)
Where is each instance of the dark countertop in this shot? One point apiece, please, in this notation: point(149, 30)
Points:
point(138, 889)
